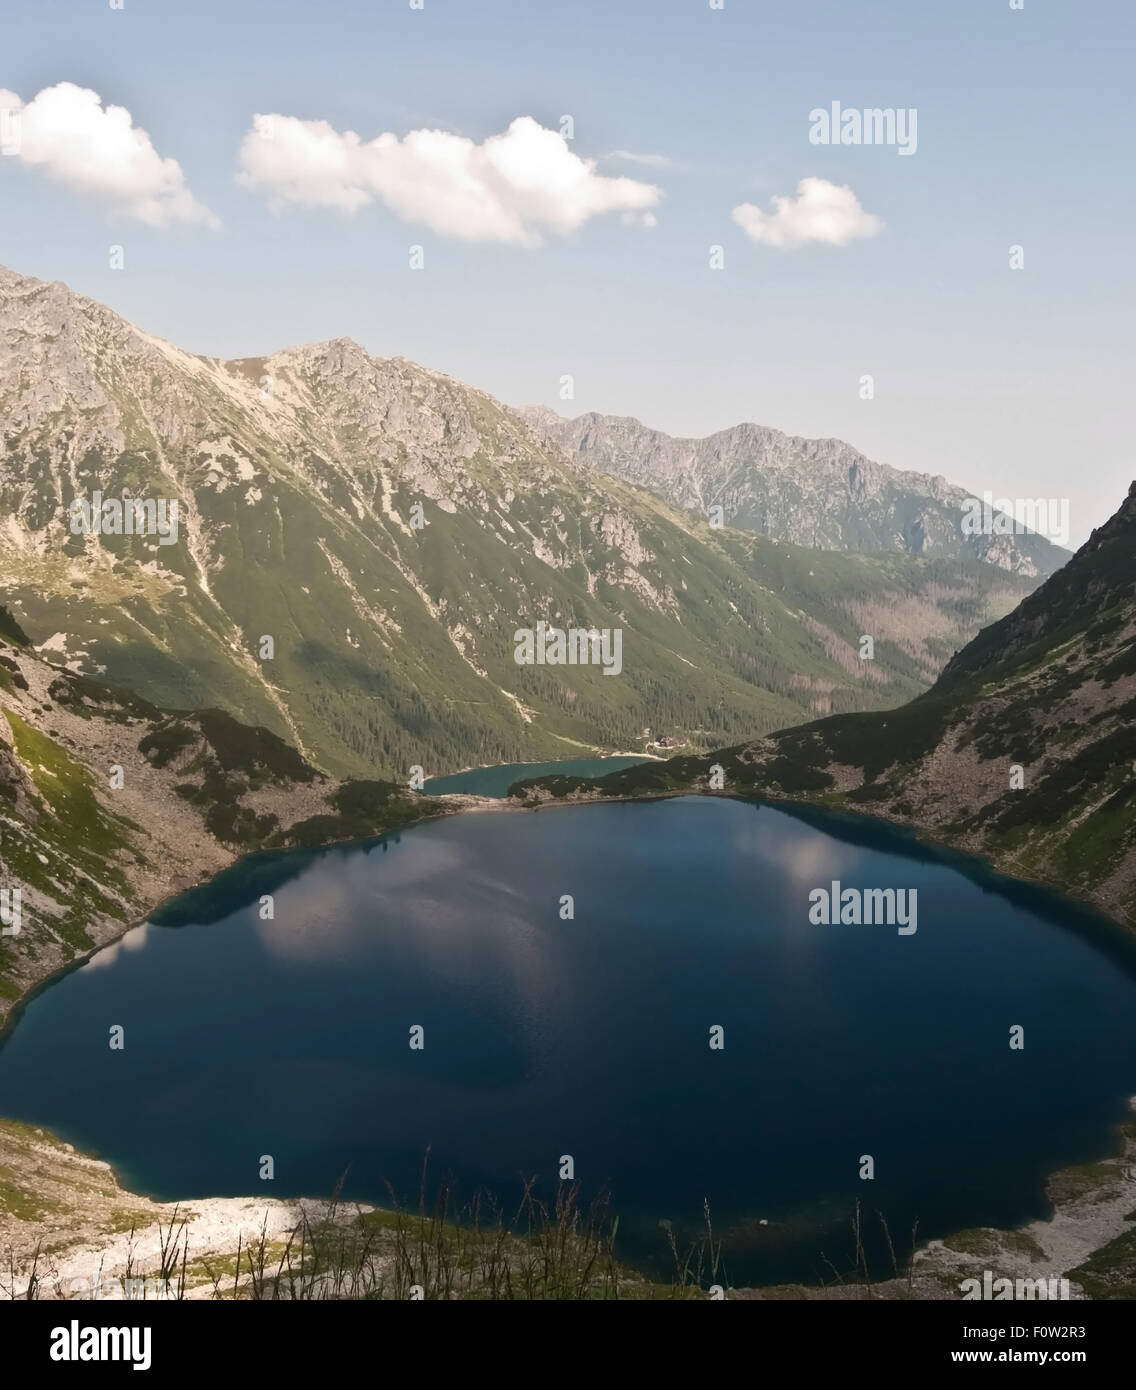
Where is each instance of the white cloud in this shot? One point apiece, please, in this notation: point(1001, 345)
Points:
point(67, 133)
point(512, 188)
point(824, 213)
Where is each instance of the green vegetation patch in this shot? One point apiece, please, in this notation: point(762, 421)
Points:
point(10, 629)
point(11, 677)
point(1110, 1273)
point(85, 697)
point(1123, 664)
point(254, 750)
point(361, 810)
point(1069, 783)
point(873, 742)
point(162, 745)
point(66, 789)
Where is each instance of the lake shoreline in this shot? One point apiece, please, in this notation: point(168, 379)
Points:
point(933, 1260)
point(1084, 1240)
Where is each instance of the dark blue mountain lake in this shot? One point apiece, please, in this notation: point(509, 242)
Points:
point(590, 1037)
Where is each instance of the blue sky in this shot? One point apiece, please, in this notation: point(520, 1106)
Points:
point(1016, 381)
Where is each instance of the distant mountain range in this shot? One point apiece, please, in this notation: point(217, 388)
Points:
point(360, 539)
point(1024, 750)
point(814, 492)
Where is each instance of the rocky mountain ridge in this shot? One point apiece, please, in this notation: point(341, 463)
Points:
point(821, 493)
point(359, 539)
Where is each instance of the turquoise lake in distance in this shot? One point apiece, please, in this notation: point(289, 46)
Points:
point(590, 1037)
point(496, 781)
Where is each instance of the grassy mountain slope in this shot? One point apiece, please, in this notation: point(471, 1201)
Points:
point(816, 492)
point(1050, 690)
point(297, 478)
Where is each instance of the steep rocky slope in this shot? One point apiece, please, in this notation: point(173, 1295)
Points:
point(1023, 752)
point(814, 492)
point(390, 529)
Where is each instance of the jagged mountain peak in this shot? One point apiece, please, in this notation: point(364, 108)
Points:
point(390, 528)
point(817, 492)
